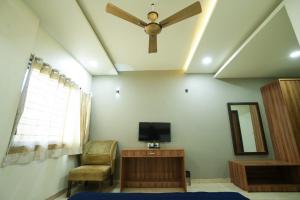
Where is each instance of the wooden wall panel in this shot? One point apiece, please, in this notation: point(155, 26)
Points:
point(291, 92)
point(280, 124)
point(258, 135)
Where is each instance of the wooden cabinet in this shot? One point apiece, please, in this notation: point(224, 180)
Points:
point(282, 105)
point(149, 168)
point(265, 176)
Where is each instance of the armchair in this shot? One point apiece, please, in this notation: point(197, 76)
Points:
point(97, 163)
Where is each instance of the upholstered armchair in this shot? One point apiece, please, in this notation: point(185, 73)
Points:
point(97, 163)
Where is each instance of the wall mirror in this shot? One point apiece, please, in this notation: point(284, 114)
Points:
point(246, 128)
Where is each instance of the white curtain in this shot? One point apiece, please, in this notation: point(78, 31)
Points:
point(85, 112)
point(49, 124)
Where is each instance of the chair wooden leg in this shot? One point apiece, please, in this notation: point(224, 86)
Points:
point(69, 188)
point(111, 180)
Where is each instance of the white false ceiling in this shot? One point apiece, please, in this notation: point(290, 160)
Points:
point(65, 22)
point(266, 53)
point(230, 24)
point(101, 41)
point(127, 44)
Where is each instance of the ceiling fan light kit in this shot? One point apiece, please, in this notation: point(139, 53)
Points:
point(153, 28)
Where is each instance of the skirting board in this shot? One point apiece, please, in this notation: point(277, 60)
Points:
point(58, 194)
point(200, 180)
point(214, 180)
point(211, 180)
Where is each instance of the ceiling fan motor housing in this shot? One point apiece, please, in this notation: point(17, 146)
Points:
point(153, 28)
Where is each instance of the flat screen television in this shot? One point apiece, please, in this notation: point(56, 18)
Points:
point(155, 131)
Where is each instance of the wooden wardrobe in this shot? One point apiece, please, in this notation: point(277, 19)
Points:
point(282, 105)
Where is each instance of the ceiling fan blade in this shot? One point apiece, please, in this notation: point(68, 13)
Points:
point(114, 10)
point(152, 44)
point(187, 12)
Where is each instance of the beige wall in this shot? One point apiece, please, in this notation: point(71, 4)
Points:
point(199, 119)
point(20, 36)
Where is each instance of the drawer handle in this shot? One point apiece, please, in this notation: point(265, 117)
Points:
point(151, 153)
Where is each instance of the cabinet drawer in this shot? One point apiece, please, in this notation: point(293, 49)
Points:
point(133, 153)
point(153, 153)
point(172, 153)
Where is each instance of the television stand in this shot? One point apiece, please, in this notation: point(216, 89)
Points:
point(152, 168)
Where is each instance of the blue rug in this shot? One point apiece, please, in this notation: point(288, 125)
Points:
point(159, 196)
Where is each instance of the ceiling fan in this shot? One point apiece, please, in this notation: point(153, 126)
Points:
point(153, 28)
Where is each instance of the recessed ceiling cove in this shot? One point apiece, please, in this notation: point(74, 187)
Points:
point(266, 53)
point(229, 26)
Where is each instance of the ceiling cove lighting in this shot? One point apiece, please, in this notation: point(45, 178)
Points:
point(295, 54)
point(206, 60)
point(201, 26)
point(250, 38)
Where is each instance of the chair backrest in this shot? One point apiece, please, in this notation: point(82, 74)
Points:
point(99, 152)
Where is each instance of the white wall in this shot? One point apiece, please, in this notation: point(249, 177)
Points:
point(199, 119)
point(52, 53)
point(20, 36)
point(16, 43)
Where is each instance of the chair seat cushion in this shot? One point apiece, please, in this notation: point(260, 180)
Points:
point(90, 173)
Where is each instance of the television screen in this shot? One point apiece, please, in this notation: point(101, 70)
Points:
point(155, 131)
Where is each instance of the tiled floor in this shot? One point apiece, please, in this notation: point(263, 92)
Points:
point(196, 187)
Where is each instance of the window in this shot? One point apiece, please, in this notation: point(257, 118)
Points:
point(48, 124)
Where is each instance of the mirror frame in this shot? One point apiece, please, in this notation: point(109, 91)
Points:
point(236, 152)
